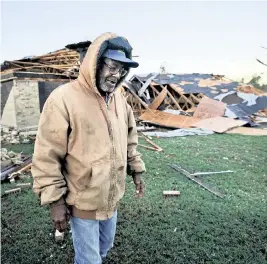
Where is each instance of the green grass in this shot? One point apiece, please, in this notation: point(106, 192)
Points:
point(196, 227)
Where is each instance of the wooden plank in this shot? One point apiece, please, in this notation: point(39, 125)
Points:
point(197, 100)
point(138, 99)
point(15, 190)
point(170, 95)
point(171, 193)
point(168, 120)
point(151, 142)
point(24, 184)
point(208, 108)
point(159, 99)
point(147, 147)
point(8, 79)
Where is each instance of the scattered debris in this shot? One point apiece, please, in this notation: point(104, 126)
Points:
point(249, 131)
point(155, 146)
point(7, 171)
point(191, 101)
point(145, 128)
point(180, 133)
point(219, 124)
point(59, 237)
point(17, 173)
point(209, 173)
point(164, 119)
point(171, 193)
point(11, 191)
point(28, 184)
point(193, 178)
point(209, 108)
point(64, 61)
point(11, 157)
point(13, 136)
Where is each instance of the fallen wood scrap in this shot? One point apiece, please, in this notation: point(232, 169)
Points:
point(11, 191)
point(209, 108)
point(219, 124)
point(144, 128)
point(20, 171)
point(14, 168)
point(196, 180)
point(171, 193)
point(168, 120)
point(28, 184)
point(155, 146)
point(59, 236)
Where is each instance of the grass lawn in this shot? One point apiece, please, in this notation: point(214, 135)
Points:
point(196, 227)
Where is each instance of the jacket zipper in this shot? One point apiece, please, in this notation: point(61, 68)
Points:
point(112, 185)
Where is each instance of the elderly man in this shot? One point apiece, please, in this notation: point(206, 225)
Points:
point(86, 143)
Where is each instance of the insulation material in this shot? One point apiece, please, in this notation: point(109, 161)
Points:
point(208, 108)
point(219, 124)
point(168, 120)
point(180, 133)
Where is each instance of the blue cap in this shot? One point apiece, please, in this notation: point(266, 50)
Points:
point(119, 55)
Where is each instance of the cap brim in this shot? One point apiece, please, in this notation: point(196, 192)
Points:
point(129, 63)
point(118, 56)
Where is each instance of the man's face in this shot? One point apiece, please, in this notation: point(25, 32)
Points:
point(109, 74)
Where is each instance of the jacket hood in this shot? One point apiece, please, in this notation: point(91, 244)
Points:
point(90, 64)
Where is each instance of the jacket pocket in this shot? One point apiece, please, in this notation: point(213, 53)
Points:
point(94, 195)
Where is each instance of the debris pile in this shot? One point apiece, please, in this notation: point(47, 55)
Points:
point(13, 136)
point(13, 164)
point(195, 104)
point(64, 61)
point(10, 157)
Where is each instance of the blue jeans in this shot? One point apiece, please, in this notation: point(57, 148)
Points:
point(92, 239)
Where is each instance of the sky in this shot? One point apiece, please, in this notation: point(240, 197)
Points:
point(186, 37)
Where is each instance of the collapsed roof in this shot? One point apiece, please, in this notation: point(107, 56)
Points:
point(65, 61)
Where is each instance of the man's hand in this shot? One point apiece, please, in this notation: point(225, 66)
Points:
point(139, 185)
point(60, 215)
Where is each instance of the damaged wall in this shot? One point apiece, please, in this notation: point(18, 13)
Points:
point(23, 100)
point(8, 112)
point(26, 97)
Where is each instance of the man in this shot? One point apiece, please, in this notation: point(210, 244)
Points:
point(86, 143)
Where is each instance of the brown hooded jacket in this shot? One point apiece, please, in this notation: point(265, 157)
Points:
point(84, 145)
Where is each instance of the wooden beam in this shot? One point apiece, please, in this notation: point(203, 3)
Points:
point(181, 95)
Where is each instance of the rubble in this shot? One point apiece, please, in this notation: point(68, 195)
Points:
point(14, 158)
point(12, 136)
point(204, 101)
point(64, 61)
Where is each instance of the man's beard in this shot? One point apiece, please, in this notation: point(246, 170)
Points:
point(107, 86)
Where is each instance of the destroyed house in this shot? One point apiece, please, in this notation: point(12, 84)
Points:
point(180, 92)
point(27, 83)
